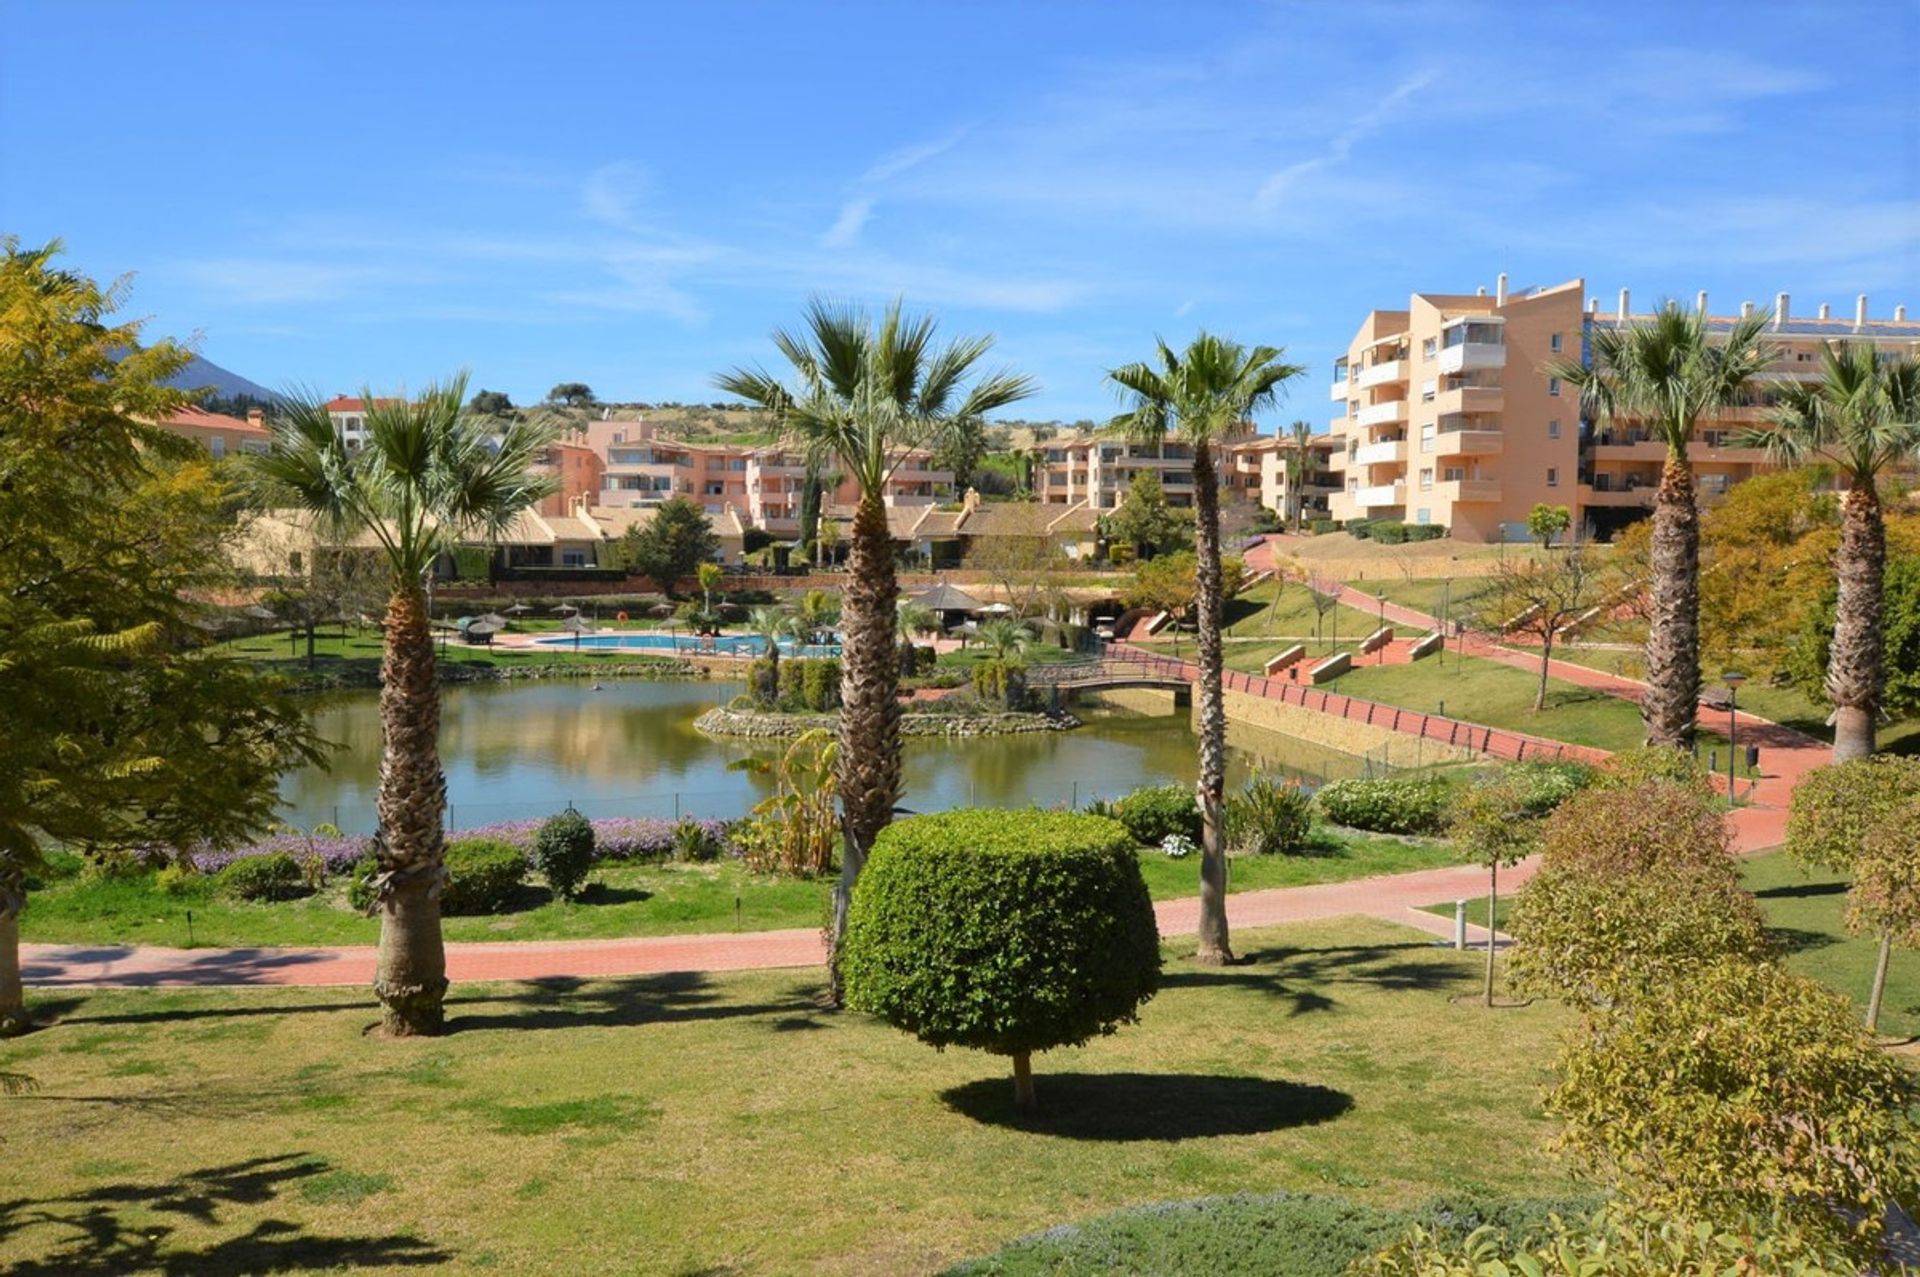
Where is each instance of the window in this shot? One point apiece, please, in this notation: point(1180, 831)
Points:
point(1553, 428)
point(1553, 387)
point(1423, 515)
point(218, 446)
point(573, 558)
point(1453, 474)
point(1553, 343)
point(1426, 438)
point(1553, 477)
point(1426, 479)
point(1427, 346)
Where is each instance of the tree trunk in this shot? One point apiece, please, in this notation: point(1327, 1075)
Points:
point(1212, 785)
point(411, 981)
point(1854, 663)
point(1023, 1098)
point(1493, 913)
point(1879, 982)
point(1546, 663)
point(868, 767)
point(1672, 702)
point(13, 995)
point(313, 624)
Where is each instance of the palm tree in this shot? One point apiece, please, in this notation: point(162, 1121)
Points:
point(1669, 373)
point(710, 576)
point(816, 615)
point(914, 621)
point(770, 624)
point(1862, 416)
point(429, 477)
point(1305, 462)
point(862, 394)
point(1005, 637)
point(1203, 394)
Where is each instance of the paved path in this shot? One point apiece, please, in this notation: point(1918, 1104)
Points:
point(1393, 897)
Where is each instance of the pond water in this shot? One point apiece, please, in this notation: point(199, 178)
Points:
point(517, 751)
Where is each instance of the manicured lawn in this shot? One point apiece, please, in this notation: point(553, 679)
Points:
point(1250, 658)
point(1483, 691)
point(1427, 595)
point(1256, 614)
point(689, 1123)
point(1806, 911)
point(1036, 653)
point(625, 900)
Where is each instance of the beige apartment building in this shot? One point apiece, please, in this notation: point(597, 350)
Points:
point(1097, 470)
point(1448, 416)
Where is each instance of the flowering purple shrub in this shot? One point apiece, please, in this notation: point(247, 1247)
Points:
point(617, 838)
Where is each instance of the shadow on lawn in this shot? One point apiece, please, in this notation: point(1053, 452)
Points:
point(1799, 939)
point(1303, 978)
point(110, 1229)
point(567, 1002)
point(1803, 891)
point(1149, 1106)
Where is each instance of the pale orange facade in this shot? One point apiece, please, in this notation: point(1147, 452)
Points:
point(1098, 470)
point(1448, 416)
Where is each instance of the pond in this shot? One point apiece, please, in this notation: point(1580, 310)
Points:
point(517, 751)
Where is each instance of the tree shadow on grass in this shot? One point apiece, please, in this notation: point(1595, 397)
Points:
point(1799, 939)
point(1307, 979)
point(567, 1002)
point(1803, 891)
point(600, 893)
point(1149, 1106)
point(110, 1230)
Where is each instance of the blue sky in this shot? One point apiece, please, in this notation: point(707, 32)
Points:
point(632, 195)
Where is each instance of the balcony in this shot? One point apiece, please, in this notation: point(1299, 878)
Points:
point(1342, 389)
point(1382, 453)
point(1630, 498)
point(1469, 400)
point(1469, 443)
point(1468, 491)
point(1469, 356)
point(1381, 414)
point(1385, 494)
point(1382, 374)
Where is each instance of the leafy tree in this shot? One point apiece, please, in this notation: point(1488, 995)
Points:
point(1545, 522)
point(1540, 598)
point(492, 403)
point(1493, 825)
point(1669, 374)
point(862, 394)
point(1623, 826)
point(811, 492)
point(119, 727)
point(1009, 932)
point(1145, 522)
point(671, 546)
point(1744, 1090)
point(1885, 897)
point(1809, 660)
point(962, 451)
point(793, 830)
point(1767, 549)
point(1203, 394)
point(1863, 417)
point(1837, 812)
point(427, 477)
point(574, 394)
point(1171, 583)
point(1024, 563)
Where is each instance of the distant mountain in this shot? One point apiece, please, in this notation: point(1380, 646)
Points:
point(200, 373)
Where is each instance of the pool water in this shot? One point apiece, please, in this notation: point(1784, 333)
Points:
point(725, 645)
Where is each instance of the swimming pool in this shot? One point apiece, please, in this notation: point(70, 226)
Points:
point(725, 645)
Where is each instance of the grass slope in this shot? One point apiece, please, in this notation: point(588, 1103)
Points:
point(1484, 691)
point(690, 1123)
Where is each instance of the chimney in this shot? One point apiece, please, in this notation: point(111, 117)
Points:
point(1593, 305)
point(1781, 309)
point(1746, 308)
point(1826, 311)
point(1703, 303)
point(970, 501)
point(1899, 314)
point(1480, 291)
point(257, 417)
point(1623, 306)
point(1860, 312)
point(1500, 289)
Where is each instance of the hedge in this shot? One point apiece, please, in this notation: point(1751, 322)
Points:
point(482, 875)
point(1155, 811)
point(1389, 806)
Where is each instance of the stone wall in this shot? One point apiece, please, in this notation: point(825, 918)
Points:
point(721, 721)
point(1382, 744)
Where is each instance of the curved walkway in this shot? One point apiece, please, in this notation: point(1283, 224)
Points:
point(1393, 897)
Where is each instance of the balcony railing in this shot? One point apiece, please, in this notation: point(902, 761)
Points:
point(1468, 443)
point(1381, 413)
point(1388, 450)
point(1382, 494)
point(1470, 355)
point(1382, 374)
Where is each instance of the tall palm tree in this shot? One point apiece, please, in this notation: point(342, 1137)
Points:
point(1669, 373)
point(428, 477)
point(1862, 416)
point(770, 624)
point(861, 394)
point(1305, 462)
point(1202, 394)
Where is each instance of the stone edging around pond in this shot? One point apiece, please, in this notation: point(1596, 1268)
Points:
point(721, 721)
point(461, 672)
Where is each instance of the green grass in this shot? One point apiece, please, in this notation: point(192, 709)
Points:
point(1806, 911)
point(1483, 691)
point(1476, 909)
point(722, 1123)
point(1035, 654)
point(1255, 614)
point(1426, 595)
point(624, 899)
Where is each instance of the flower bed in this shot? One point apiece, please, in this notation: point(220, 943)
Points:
point(617, 838)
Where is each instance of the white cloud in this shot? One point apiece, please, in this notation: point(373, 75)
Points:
point(894, 163)
point(1340, 148)
point(264, 281)
point(613, 192)
point(1185, 308)
point(847, 227)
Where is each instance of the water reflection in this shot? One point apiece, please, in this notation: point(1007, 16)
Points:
point(525, 750)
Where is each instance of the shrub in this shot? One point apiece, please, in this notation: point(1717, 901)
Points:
point(1744, 1089)
point(1591, 937)
point(820, 684)
point(792, 673)
point(1002, 684)
point(1388, 533)
point(1631, 767)
point(1835, 807)
point(1362, 528)
point(1388, 806)
point(563, 852)
point(482, 875)
point(1425, 531)
point(692, 841)
point(1152, 813)
point(180, 879)
point(1547, 785)
point(360, 883)
point(260, 878)
point(1009, 932)
point(1616, 830)
point(1178, 846)
point(1268, 819)
point(763, 683)
point(1320, 527)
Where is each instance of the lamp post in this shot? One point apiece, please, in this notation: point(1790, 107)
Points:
point(1383, 623)
point(1446, 603)
point(1733, 679)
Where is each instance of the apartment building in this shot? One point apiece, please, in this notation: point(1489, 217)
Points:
point(1448, 415)
point(349, 416)
point(1097, 471)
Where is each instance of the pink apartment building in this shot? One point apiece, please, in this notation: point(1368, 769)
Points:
point(1098, 470)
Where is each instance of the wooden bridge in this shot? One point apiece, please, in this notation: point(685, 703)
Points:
point(1110, 671)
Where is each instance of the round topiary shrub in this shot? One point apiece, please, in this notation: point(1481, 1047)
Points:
point(482, 875)
point(261, 878)
point(1153, 813)
point(563, 852)
point(1387, 806)
point(1009, 932)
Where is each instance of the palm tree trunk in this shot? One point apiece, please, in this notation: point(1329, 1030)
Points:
point(1854, 664)
point(411, 982)
point(1672, 703)
point(1213, 716)
point(869, 762)
point(13, 996)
